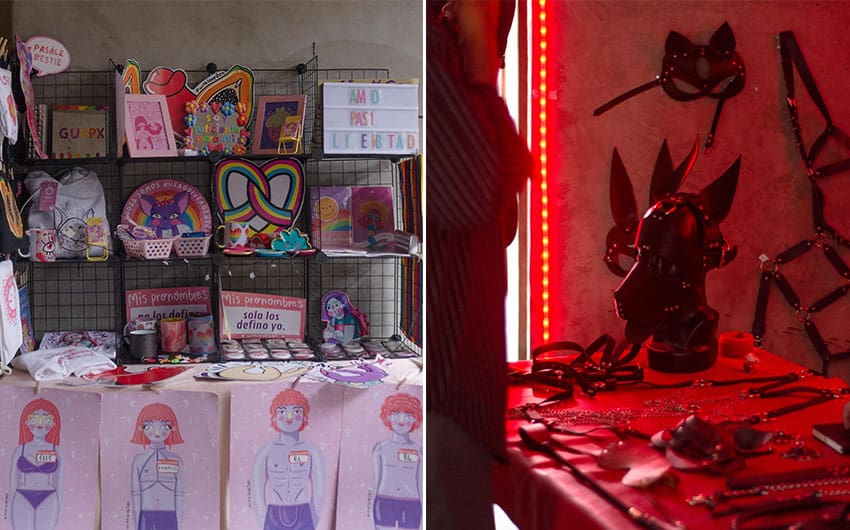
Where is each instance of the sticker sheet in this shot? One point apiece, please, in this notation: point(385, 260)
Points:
point(160, 462)
point(380, 481)
point(284, 448)
point(48, 458)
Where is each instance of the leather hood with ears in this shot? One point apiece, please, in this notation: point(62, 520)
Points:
point(666, 180)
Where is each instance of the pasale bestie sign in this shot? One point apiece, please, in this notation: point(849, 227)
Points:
point(49, 56)
point(370, 118)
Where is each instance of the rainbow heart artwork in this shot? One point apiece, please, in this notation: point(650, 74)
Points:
point(268, 197)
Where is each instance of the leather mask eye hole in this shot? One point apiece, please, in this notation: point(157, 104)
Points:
point(625, 262)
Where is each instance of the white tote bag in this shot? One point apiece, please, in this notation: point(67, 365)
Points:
point(79, 197)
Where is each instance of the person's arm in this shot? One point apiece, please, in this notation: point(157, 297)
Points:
point(13, 472)
point(136, 489)
point(477, 23)
point(317, 479)
point(377, 468)
point(54, 517)
point(419, 472)
point(258, 484)
point(179, 490)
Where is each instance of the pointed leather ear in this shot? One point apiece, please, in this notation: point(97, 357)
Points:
point(623, 203)
point(666, 180)
point(723, 39)
point(716, 199)
point(677, 43)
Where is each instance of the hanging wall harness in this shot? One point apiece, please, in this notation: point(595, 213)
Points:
point(791, 57)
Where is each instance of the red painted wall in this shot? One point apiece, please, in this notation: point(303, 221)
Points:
point(603, 49)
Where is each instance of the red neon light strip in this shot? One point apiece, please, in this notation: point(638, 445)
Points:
point(543, 162)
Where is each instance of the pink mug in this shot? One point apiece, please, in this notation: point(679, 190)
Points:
point(42, 245)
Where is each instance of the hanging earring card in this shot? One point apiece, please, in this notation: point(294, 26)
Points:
point(284, 448)
point(160, 462)
point(48, 458)
point(380, 482)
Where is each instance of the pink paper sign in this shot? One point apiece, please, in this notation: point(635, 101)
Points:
point(380, 479)
point(284, 447)
point(48, 446)
point(156, 304)
point(245, 315)
point(160, 466)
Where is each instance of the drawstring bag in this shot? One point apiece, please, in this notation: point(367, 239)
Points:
point(78, 198)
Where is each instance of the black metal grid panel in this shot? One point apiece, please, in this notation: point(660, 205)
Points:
point(372, 284)
point(77, 88)
point(71, 296)
point(354, 172)
point(174, 272)
point(301, 79)
point(284, 277)
point(353, 74)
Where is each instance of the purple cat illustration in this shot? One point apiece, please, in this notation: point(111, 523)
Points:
point(165, 214)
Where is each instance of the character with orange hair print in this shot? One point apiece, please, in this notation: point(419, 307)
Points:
point(158, 479)
point(288, 478)
point(36, 489)
point(398, 466)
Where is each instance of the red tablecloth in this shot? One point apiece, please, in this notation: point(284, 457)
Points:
point(538, 494)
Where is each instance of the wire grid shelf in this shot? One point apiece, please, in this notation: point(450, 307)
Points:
point(174, 272)
point(74, 295)
point(92, 294)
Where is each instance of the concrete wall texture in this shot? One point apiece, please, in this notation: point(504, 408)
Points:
point(254, 33)
point(604, 48)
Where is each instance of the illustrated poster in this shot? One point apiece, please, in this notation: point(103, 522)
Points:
point(156, 304)
point(160, 462)
point(373, 217)
point(380, 483)
point(245, 315)
point(48, 458)
point(331, 216)
point(284, 449)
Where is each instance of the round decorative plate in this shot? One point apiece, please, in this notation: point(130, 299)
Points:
point(168, 206)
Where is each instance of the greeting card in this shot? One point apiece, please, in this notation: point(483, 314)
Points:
point(331, 216)
point(372, 217)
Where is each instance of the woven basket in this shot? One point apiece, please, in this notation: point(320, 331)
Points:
point(148, 248)
point(188, 247)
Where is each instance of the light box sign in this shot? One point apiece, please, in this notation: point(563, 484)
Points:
point(370, 118)
point(251, 315)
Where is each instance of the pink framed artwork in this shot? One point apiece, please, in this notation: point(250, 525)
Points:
point(276, 113)
point(148, 126)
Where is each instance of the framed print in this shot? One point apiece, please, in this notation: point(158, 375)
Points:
point(276, 114)
point(148, 126)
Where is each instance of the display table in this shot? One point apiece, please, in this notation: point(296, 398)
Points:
point(537, 493)
point(400, 372)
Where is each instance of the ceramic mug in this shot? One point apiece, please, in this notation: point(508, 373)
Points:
point(235, 235)
point(142, 343)
point(201, 334)
point(172, 332)
point(42, 245)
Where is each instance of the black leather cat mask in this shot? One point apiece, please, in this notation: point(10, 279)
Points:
point(690, 71)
